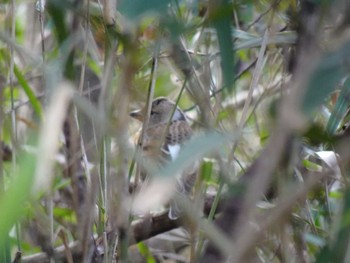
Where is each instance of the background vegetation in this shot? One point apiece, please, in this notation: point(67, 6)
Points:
point(264, 84)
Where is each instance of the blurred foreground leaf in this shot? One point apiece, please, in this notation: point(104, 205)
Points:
point(195, 149)
point(136, 8)
point(325, 78)
point(18, 193)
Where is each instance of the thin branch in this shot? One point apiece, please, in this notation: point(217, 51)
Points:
point(273, 5)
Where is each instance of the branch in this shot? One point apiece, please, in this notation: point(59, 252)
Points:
point(141, 230)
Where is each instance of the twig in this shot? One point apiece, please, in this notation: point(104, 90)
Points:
point(148, 106)
point(273, 5)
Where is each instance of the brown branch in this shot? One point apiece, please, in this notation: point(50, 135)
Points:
point(140, 230)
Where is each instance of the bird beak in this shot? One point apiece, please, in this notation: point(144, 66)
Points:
point(137, 114)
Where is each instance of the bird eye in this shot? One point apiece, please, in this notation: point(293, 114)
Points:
point(157, 101)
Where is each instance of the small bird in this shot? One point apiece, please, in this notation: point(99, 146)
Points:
point(171, 125)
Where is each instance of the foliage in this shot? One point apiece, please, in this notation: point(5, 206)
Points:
point(264, 84)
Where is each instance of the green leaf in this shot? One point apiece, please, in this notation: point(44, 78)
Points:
point(325, 79)
point(221, 21)
point(29, 92)
point(63, 212)
point(58, 9)
point(311, 165)
point(136, 8)
point(316, 135)
point(18, 193)
point(337, 252)
point(5, 250)
point(206, 170)
point(144, 251)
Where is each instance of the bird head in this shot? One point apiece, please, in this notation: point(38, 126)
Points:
point(161, 110)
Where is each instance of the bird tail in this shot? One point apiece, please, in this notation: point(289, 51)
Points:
point(184, 188)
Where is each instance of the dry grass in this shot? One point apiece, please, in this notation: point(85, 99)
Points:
point(264, 86)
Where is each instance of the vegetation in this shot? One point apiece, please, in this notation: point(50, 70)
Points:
point(264, 84)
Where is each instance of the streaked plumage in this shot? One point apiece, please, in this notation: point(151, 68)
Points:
point(160, 152)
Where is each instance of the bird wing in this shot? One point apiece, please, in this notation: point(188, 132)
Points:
point(178, 132)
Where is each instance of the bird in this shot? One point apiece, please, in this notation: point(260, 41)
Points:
point(169, 122)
